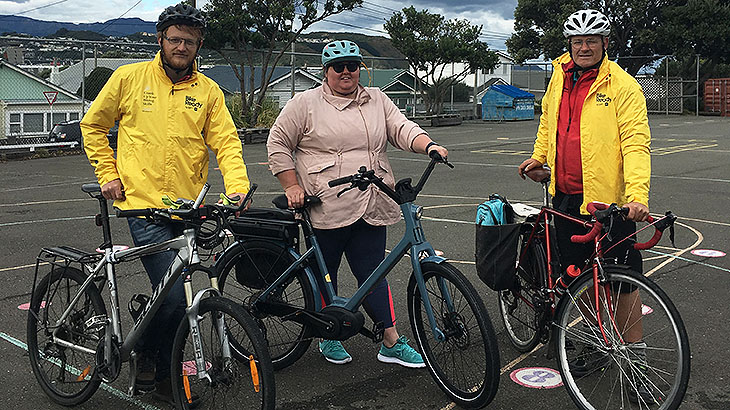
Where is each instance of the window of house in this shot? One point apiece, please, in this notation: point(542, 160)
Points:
point(15, 123)
point(57, 117)
point(32, 122)
point(73, 116)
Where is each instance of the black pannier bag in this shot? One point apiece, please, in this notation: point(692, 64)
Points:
point(497, 238)
point(270, 225)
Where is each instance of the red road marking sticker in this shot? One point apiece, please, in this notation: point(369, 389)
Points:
point(646, 310)
point(26, 306)
point(708, 253)
point(114, 247)
point(537, 377)
point(191, 370)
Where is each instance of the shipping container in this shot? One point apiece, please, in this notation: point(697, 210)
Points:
point(717, 96)
point(504, 102)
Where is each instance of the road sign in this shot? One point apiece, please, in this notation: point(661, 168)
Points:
point(50, 96)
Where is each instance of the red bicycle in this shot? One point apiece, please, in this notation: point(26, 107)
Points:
point(619, 340)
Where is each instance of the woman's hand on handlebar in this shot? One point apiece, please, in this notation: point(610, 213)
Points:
point(441, 150)
point(638, 212)
point(295, 196)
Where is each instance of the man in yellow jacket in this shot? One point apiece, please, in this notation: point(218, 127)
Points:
point(594, 136)
point(169, 115)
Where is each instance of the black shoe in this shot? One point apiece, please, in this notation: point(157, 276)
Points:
point(589, 360)
point(145, 379)
point(640, 390)
point(163, 391)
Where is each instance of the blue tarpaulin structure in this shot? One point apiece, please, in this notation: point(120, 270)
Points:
point(504, 102)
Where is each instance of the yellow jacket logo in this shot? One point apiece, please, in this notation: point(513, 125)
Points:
point(602, 99)
point(192, 104)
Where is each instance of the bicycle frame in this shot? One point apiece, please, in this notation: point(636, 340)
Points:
point(543, 220)
point(413, 242)
point(184, 264)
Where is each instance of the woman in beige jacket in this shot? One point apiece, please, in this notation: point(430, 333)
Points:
point(329, 132)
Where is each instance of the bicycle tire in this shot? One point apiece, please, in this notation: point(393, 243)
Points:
point(67, 376)
point(466, 365)
point(265, 261)
point(232, 381)
point(522, 319)
point(660, 371)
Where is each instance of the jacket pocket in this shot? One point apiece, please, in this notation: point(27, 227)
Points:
point(385, 171)
point(318, 175)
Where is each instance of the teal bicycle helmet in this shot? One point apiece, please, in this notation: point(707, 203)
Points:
point(340, 50)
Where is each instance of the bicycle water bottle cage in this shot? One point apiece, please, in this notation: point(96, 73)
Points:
point(136, 305)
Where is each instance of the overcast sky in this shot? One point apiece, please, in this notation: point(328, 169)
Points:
point(495, 16)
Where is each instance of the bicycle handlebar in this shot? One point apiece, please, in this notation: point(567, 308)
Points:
point(603, 212)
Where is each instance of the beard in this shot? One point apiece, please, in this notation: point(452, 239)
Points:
point(178, 63)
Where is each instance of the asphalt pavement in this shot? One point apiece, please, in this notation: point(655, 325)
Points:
point(41, 204)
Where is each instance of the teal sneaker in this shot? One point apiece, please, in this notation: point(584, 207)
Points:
point(401, 353)
point(333, 351)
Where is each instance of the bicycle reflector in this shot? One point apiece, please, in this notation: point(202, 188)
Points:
point(254, 374)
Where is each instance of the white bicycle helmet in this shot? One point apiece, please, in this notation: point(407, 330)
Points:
point(586, 23)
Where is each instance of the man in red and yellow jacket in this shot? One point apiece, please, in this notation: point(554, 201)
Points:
point(594, 136)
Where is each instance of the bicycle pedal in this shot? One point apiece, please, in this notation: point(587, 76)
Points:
point(378, 330)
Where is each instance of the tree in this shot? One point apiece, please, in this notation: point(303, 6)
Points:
point(94, 82)
point(431, 43)
point(634, 29)
point(260, 32)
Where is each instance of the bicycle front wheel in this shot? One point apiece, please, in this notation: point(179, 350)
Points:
point(465, 365)
point(521, 306)
point(250, 267)
point(66, 374)
point(638, 358)
point(238, 369)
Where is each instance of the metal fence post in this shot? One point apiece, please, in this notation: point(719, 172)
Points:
point(83, 79)
point(697, 83)
point(666, 82)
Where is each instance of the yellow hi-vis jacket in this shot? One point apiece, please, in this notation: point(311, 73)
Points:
point(165, 131)
point(614, 135)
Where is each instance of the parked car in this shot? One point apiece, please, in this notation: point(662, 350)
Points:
point(71, 131)
point(67, 131)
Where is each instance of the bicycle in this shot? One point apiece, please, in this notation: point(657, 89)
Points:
point(75, 342)
point(264, 270)
point(583, 322)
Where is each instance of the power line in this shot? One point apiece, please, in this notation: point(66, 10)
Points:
point(379, 5)
point(37, 8)
point(112, 21)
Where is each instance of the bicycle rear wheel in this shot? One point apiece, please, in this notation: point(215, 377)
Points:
point(67, 375)
point(610, 372)
point(520, 306)
point(466, 364)
point(248, 268)
point(237, 362)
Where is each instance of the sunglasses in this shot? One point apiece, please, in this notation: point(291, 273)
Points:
point(352, 66)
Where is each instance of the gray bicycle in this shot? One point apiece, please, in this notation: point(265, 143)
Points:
point(219, 359)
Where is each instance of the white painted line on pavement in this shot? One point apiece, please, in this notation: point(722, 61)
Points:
point(104, 386)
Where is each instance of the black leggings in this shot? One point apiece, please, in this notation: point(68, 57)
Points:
point(364, 247)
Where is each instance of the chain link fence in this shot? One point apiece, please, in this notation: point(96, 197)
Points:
point(46, 82)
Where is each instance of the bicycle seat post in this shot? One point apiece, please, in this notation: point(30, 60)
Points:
point(546, 196)
point(102, 220)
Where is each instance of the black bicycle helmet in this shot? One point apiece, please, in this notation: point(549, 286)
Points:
point(182, 13)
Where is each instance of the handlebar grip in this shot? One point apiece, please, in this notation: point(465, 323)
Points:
point(127, 213)
point(589, 236)
point(340, 181)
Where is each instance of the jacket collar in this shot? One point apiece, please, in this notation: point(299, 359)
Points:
point(160, 70)
point(340, 103)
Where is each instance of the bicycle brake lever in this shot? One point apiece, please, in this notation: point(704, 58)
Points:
point(346, 189)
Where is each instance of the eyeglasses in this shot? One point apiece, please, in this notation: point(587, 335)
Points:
point(591, 43)
point(352, 66)
point(176, 41)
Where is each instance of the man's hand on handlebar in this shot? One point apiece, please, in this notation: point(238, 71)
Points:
point(534, 170)
point(113, 190)
point(638, 212)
